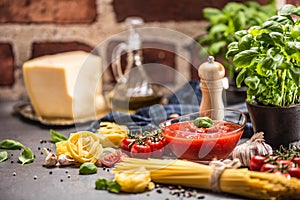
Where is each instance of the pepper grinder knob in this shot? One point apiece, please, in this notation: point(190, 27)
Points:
point(211, 74)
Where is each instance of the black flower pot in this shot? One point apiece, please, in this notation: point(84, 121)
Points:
point(281, 125)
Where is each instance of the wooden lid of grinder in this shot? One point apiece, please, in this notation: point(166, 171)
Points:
point(211, 70)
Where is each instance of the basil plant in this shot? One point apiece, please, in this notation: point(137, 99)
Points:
point(268, 59)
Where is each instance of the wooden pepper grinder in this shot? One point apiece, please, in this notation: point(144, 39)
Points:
point(211, 74)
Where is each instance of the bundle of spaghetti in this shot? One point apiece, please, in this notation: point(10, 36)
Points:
point(241, 181)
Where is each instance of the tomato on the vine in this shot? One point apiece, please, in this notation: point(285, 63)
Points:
point(285, 163)
point(296, 160)
point(278, 172)
point(294, 172)
point(125, 144)
point(257, 162)
point(157, 147)
point(268, 167)
point(139, 150)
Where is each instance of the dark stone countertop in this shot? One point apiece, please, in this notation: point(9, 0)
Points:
point(33, 181)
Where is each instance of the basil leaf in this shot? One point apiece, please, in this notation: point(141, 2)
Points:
point(240, 77)
point(294, 45)
point(216, 47)
point(204, 122)
point(216, 29)
point(286, 10)
point(56, 136)
point(245, 42)
point(273, 26)
point(113, 186)
point(245, 58)
point(295, 72)
point(26, 156)
point(266, 38)
point(252, 82)
point(232, 49)
point(241, 33)
point(3, 156)
point(280, 19)
point(267, 62)
point(10, 144)
point(101, 184)
point(104, 184)
point(239, 20)
point(211, 12)
point(87, 168)
point(277, 38)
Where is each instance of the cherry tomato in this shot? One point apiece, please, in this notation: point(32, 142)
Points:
point(157, 148)
point(296, 160)
point(124, 145)
point(294, 172)
point(256, 162)
point(268, 167)
point(110, 158)
point(277, 172)
point(140, 150)
point(285, 163)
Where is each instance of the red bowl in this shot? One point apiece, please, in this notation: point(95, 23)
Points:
point(189, 142)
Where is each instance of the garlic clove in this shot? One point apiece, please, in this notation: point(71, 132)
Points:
point(51, 159)
point(64, 160)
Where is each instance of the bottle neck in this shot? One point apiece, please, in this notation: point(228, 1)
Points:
point(137, 57)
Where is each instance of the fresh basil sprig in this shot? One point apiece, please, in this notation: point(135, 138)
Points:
point(10, 144)
point(268, 59)
point(3, 156)
point(203, 122)
point(57, 136)
point(26, 156)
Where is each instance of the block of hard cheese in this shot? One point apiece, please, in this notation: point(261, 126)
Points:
point(64, 85)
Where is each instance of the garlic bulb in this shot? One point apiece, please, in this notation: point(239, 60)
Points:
point(255, 146)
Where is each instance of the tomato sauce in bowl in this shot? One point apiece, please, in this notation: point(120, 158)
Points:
point(187, 141)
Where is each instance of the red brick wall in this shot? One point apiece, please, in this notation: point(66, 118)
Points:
point(294, 2)
point(48, 11)
point(6, 64)
point(166, 10)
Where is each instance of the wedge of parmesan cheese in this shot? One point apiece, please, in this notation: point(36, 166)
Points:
point(65, 85)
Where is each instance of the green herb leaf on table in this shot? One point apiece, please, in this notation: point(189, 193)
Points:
point(101, 184)
point(57, 136)
point(3, 156)
point(113, 186)
point(26, 156)
point(105, 184)
point(10, 144)
point(87, 168)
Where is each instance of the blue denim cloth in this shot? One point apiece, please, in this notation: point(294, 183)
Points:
point(181, 103)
